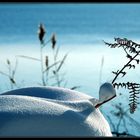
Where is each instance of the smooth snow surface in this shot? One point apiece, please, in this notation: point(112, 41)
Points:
point(50, 111)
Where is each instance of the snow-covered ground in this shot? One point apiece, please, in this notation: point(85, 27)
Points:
point(50, 111)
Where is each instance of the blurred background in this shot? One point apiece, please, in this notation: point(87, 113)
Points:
point(80, 30)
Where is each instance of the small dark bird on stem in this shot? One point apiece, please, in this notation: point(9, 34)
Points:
point(41, 33)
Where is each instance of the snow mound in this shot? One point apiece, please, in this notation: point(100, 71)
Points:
point(58, 93)
point(50, 111)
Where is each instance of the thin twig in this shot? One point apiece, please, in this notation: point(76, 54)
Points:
point(28, 57)
point(42, 69)
point(125, 67)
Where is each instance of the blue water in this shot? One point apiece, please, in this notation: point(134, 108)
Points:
point(80, 29)
point(19, 21)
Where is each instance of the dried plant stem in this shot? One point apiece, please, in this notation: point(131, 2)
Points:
point(9, 68)
point(125, 67)
point(41, 58)
point(11, 73)
point(47, 75)
point(11, 85)
point(111, 122)
point(132, 50)
point(56, 73)
point(125, 126)
point(101, 69)
point(119, 123)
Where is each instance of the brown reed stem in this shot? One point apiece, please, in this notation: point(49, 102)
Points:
point(42, 69)
point(56, 73)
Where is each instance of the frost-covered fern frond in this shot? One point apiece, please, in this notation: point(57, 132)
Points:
point(132, 51)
